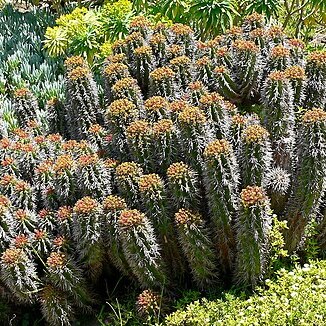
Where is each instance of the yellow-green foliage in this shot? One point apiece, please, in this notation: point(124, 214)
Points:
point(297, 297)
point(86, 32)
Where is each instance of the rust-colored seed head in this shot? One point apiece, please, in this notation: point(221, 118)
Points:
point(44, 167)
point(255, 134)
point(22, 134)
point(64, 213)
point(314, 115)
point(114, 203)
point(7, 179)
point(192, 116)
point(22, 186)
point(56, 260)
point(148, 302)
point(143, 51)
point(253, 195)
point(139, 128)
point(13, 256)
point(149, 182)
point(128, 169)
point(162, 73)
point(85, 205)
point(130, 218)
point(79, 73)
point(43, 213)
point(117, 58)
point(156, 103)
point(216, 148)
point(277, 76)
point(177, 171)
point(280, 51)
point(183, 60)
point(163, 126)
point(121, 108)
point(247, 46)
point(187, 217)
point(175, 49)
point(7, 161)
point(111, 163)
point(295, 72)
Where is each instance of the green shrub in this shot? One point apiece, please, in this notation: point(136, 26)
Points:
point(296, 297)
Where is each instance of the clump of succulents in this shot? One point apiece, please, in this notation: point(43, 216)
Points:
point(170, 181)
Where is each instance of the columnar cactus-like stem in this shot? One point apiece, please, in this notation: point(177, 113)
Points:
point(144, 62)
point(194, 135)
point(212, 105)
point(5, 222)
point(19, 274)
point(196, 91)
point(92, 176)
point(162, 82)
point(154, 199)
point(157, 107)
point(138, 136)
point(197, 246)
point(55, 306)
point(25, 106)
point(119, 115)
point(182, 67)
point(62, 273)
point(56, 116)
point(279, 118)
point(255, 161)
point(112, 208)
point(141, 249)
point(221, 181)
point(310, 184)
point(127, 88)
point(279, 58)
point(252, 228)
point(87, 232)
point(163, 144)
point(82, 105)
point(296, 75)
point(127, 175)
point(184, 187)
point(315, 89)
point(183, 34)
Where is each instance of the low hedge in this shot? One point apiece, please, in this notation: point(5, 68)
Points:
point(297, 297)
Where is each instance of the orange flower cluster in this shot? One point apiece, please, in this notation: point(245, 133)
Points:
point(253, 195)
point(177, 171)
point(149, 182)
point(148, 301)
point(114, 203)
point(85, 206)
point(156, 103)
point(216, 148)
point(255, 134)
point(128, 169)
point(13, 256)
point(247, 46)
point(186, 217)
point(192, 116)
point(182, 60)
point(56, 260)
point(64, 213)
point(163, 126)
point(130, 218)
point(162, 73)
point(138, 128)
point(314, 115)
